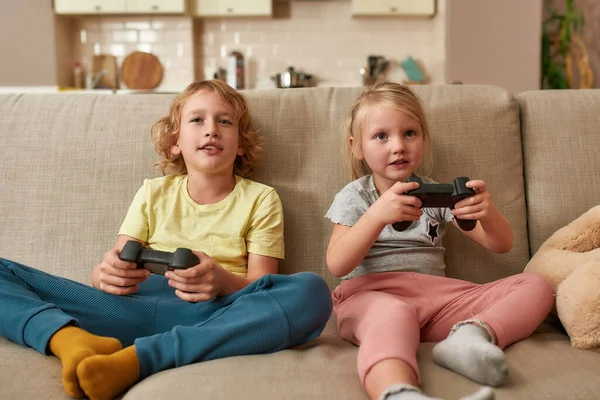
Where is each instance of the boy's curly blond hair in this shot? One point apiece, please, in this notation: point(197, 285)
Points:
point(165, 131)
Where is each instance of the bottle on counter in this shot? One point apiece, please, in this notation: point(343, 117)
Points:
point(235, 70)
point(78, 76)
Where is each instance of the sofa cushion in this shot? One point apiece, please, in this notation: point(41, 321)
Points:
point(71, 164)
point(542, 367)
point(561, 138)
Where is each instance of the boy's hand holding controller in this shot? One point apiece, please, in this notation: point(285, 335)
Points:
point(201, 282)
point(395, 205)
point(116, 276)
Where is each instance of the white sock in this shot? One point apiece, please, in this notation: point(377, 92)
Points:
point(404, 392)
point(409, 392)
point(468, 351)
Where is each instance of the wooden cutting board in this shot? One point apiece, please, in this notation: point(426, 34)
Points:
point(141, 70)
point(107, 64)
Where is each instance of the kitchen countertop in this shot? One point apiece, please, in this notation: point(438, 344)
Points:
point(55, 89)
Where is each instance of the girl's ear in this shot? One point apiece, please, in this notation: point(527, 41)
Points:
point(355, 149)
point(240, 151)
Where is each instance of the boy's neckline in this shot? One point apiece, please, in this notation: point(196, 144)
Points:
point(226, 200)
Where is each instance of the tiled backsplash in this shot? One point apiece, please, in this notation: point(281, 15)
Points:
point(319, 38)
point(322, 39)
point(169, 38)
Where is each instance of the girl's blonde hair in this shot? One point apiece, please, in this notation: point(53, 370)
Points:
point(165, 131)
point(391, 95)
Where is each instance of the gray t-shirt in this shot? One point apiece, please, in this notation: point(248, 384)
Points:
point(417, 249)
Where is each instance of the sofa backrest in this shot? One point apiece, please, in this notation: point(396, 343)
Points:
point(71, 164)
point(561, 146)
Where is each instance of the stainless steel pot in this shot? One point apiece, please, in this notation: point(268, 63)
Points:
point(292, 79)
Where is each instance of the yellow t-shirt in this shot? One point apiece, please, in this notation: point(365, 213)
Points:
point(248, 220)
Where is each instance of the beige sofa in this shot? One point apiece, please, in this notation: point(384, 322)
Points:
point(71, 163)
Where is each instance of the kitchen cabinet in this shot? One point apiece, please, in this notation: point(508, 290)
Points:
point(119, 6)
point(424, 8)
point(155, 6)
point(89, 6)
point(233, 8)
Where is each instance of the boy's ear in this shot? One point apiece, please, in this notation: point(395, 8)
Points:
point(175, 149)
point(355, 149)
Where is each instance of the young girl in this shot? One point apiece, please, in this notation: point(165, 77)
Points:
point(394, 293)
point(231, 303)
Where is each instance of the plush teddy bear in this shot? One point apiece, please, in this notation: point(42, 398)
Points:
point(570, 260)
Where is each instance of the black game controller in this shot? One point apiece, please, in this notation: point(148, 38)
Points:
point(440, 195)
point(158, 262)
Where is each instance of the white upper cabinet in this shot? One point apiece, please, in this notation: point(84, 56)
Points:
point(234, 8)
point(89, 6)
point(155, 6)
point(119, 6)
point(422, 8)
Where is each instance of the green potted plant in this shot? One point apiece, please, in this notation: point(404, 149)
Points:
point(562, 49)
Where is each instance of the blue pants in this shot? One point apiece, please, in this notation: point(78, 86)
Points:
point(271, 314)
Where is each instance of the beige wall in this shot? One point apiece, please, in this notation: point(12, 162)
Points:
point(27, 43)
point(495, 42)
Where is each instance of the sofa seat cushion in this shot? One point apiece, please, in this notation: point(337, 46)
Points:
point(26, 374)
point(544, 366)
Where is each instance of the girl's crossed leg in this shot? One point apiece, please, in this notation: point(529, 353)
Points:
point(474, 322)
point(387, 330)
point(388, 314)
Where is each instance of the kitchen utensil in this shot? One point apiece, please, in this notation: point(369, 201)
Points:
point(220, 74)
point(381, 67)
point(376, 66)
point(372, 63)
point(292, 79)
point(141, 70)
point(412, 70)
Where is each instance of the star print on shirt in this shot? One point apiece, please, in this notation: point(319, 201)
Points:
point(432, 231)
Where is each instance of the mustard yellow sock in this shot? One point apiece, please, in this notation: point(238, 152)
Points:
point(104, 377)
point(71, 345)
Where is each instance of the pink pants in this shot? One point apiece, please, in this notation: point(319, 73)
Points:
point(388, 314)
